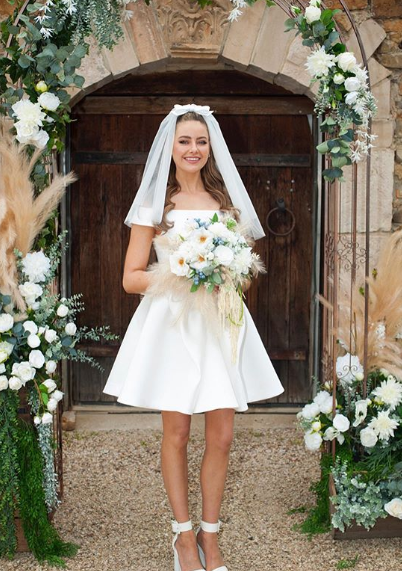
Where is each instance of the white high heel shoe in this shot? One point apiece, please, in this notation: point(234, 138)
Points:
point(177, 529)
point(209, 528)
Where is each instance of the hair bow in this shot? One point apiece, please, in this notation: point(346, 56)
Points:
point(200, 109)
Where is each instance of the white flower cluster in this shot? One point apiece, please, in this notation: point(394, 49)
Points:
point(349, 370)
point(208, 249)
point(237, 10)
point(31, 116)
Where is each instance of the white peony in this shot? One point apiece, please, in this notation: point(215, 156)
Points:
point(223, 255)
point(51, 366)
point(36, 265)
point(178, 266)
point(57, 395)
point(36, 359)
point(52, 405)
point(346, 61)
point(383, 425)
point(25, 131)
point(341, 422)
point(389, 392)
point(28, 112)
point(319, 63)
point(347, 367)
point(352, 84)
point(338, 78)
point(15, 383)
point(3, 383)
point(50, 335)
point(30, 292)
point(6, 322)
point(49, 101)
point(313, 441)
point(70, 328)
point(50, 385)
point(33, 341)
point(351, 98)
point(324, 400)
point(310, 411)
point(47, 418)
point(368, 437)
point(24, 371)
point(312, 14)
point(360, 411)
point(394, 508)
point(62, 310)
point(31, 327)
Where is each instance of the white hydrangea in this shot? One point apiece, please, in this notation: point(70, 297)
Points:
point(36, 265)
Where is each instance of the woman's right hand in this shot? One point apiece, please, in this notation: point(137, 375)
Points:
point(135, 277)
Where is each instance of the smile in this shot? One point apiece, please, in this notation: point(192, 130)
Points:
point(192, 159)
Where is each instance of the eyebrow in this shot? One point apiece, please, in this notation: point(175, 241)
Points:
point(188, 137)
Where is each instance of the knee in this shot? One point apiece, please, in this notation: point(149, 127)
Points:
point(177, 437)
point(221, 440)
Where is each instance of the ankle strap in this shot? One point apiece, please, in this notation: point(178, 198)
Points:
point(211, 527)
point(179, 527)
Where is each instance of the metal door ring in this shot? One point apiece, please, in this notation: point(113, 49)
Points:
point(292, 226)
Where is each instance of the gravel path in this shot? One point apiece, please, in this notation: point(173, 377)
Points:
point(116, 509)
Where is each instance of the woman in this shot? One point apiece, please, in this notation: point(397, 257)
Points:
point(172, 360)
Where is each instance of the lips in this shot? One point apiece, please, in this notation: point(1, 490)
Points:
point(192, 159)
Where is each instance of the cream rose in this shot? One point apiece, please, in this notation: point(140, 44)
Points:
point(339, 78)
point(57, 395)
point(31, 327)
point(341, 423)
point(70, 328)
point(2, 368)
point(352, 84)
point(3, 383)
point(62, 310)
point(313, 441)
point(52, 405)
point(15, 383)
point(47, 418)
point(24, 371)
point(50, 385)
point(346, 61)
point(33, 341)
point(224, 255)
point(49, 101)
point(36, 359)
point(51, 366)
point(6, 322)
point(312, 14)
point(368, 437)
point(394, 508)
point(28, 112)
point(50, 335)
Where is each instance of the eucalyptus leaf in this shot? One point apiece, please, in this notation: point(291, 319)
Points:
point(323, 147)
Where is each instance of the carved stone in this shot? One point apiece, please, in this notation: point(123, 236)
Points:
point(190, 31)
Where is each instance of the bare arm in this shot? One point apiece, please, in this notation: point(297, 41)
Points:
point(135, 278)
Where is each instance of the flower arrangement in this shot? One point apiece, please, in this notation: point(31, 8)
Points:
point(364, 417)
point(343, 95)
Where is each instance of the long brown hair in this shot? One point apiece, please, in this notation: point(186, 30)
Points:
point(210, 176)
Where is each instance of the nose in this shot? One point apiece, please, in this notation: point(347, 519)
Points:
point(193, 147)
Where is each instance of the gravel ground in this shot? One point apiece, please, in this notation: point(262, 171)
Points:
point(115, 507)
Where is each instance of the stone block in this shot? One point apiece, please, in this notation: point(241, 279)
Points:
point(393, 60)
point(385, 133)
point(372, 35)
point(352, 4)
point(122, 58)
point(377, 71)
point(381, 193)
point(293, 75)
point(242, 35)
point(93, 68)
point(273, 43)
point(147, 34)
point(382, 93)
point(386, 8)
point(68, 420)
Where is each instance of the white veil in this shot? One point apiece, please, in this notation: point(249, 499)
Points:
point(150, 198)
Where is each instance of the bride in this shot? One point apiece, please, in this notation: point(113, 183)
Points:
point(174, 361)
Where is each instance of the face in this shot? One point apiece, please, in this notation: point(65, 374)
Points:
point(191, 146)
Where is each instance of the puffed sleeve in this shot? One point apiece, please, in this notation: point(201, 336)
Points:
point(141, 216)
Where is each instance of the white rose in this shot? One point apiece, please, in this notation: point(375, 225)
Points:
point(3, 383)
point(394, 508)
point(51, 366)
point(15, 383)
point(33, 341)
point(2, 368)
point(36, 359)
point(62, 310)
point(352, 84)
point(30, 291)
point(70, 328)
point(31, 327)
point(3, 355)
point(24, 371)
point(310, 411)
point(313, 441)
point(346, 61)
point(50, 385)
point(351, 98)
point(50, 335)
point(28, 112)
point(339, 78)
point(25, 131)
point(49, 101)
point(52, 405)
point(341, 422)
point(37, 420)
point(6, 322)
point(40, 139)
point(359, 376)
point(47, 418)
point(36, 265)
point(312, 14)
point(224, 255)
point(57, 395)
point(368, 437)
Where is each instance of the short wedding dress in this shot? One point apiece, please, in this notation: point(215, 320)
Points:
point(181, 364)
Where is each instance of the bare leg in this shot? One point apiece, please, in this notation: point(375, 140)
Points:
point(176, 430)
point(218, 437)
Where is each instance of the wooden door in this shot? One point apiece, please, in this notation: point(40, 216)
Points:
point(109, 145)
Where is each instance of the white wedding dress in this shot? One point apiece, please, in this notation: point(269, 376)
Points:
point(165, 363)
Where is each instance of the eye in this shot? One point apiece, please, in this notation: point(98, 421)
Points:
point(183, 142)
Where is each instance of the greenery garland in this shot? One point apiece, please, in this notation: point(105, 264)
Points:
point(42, 538)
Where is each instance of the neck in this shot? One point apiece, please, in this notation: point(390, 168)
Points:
point(190, 183)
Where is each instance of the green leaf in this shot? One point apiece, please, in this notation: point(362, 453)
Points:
point(326, 17)
point(13, 29)
point(24, 61)
point(66, 341)
point(308, 42)
point(6, 299)
point(323, 147)
point(215, 218)
point(45, 398)
point(210, 287)
point(194, 287)
point(336, 149)
point(79, 80)
point(289, 24)
point(216, 277)
point(332, 173)
point(341, 161)
point(80, 51)
point(319, 30)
